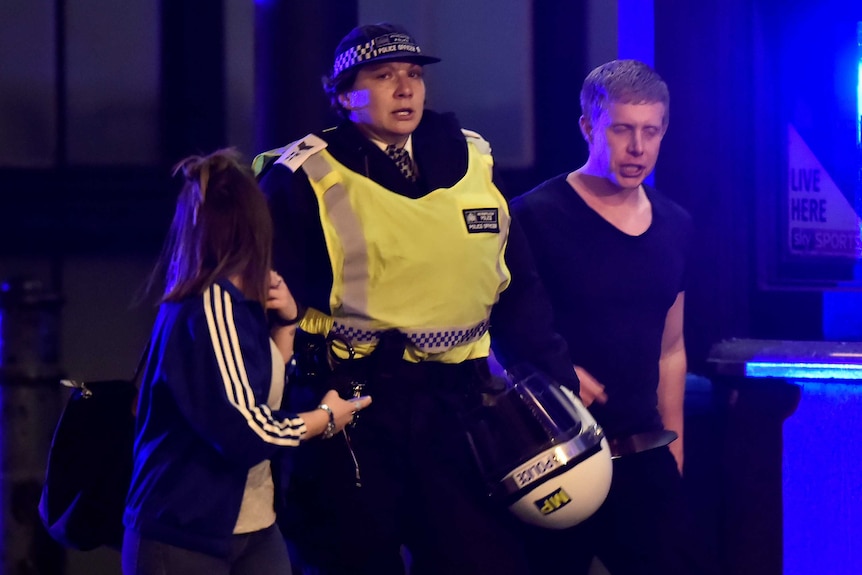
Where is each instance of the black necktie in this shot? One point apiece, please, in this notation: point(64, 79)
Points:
point(402, 160)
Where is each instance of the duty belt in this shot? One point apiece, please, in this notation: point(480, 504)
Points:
point(640, 442)
point(434, 341)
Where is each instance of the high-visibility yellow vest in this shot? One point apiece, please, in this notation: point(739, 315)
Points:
point(430, 267)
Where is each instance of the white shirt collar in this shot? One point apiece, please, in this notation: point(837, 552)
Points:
point(407, 146)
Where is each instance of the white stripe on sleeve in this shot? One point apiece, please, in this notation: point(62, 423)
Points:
point(218, 308)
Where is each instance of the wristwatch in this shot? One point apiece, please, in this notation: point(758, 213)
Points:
point(330, 425)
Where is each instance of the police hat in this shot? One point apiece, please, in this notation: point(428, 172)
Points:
point(376, 43)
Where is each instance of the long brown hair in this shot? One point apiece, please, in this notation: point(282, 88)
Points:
point(221, 229)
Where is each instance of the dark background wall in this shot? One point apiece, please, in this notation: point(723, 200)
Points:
point(98, 99)
point(104, 100)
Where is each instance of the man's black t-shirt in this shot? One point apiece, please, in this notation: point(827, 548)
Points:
point(610, 292)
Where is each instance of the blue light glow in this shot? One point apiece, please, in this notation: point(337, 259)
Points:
point(859, 86)
point(636, 30)
point(822, 464)
point(804, 370)
point(859, 105)
point(636, 37)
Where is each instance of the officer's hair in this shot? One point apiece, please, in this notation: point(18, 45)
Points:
point(334, 87)
point(622, 82)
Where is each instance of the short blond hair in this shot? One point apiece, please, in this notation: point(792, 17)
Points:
point(623, 82)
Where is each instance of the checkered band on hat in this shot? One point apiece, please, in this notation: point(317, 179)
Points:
point(352, 57)
point(387, 46)
point(431, 341)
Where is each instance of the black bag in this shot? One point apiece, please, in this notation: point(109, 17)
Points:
point(90, 465)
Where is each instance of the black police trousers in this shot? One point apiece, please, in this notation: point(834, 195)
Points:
point(421, 501)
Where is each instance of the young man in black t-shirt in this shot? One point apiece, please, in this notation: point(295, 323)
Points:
point(612, 253)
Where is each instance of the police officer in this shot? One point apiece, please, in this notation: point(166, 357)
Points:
point(393, 237)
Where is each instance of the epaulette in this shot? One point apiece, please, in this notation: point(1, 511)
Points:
point(477, 140)
point(263, 161)
point(292, 155)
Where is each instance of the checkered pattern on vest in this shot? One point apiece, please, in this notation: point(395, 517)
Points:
point(402, 159)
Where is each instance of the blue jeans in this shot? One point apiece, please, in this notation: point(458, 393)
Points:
point(253, 553)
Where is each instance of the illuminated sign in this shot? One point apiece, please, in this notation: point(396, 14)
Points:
point(821, 222)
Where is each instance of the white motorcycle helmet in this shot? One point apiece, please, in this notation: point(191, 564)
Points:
point(541, 452)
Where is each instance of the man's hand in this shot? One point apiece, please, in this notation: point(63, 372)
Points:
point(591, 389)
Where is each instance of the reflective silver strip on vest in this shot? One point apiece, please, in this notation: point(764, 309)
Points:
point(428, 341)
point(349, 229)
point(316, 167)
